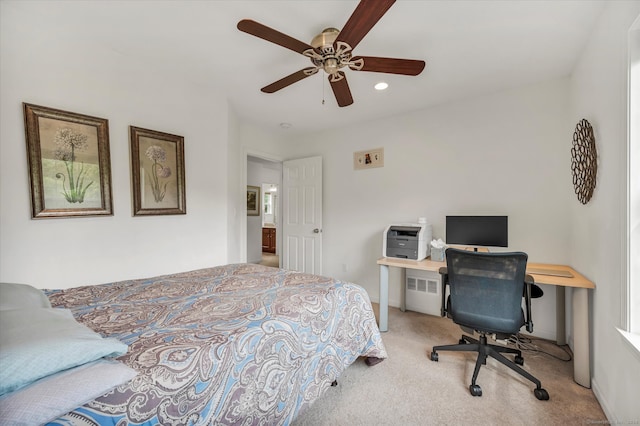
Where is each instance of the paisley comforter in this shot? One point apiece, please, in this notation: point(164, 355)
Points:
point(236, 344)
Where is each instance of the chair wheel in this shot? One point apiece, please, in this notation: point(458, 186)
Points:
point(541, 394)
point(334, 383)
point(462, 342)
point(519, 360)
point(477, 390)
point(434, 356)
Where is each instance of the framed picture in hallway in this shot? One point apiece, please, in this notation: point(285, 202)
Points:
point(157, 166)
point(253, 200)
point(69, 163)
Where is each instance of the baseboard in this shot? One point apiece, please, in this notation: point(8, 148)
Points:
point(542, 334)
point(608, 412)
point(392, 303)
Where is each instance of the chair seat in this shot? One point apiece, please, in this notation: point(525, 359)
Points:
point(470, 326)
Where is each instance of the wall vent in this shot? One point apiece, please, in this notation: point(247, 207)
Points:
point(422, 285)
point(411, 284)
point(432, 287)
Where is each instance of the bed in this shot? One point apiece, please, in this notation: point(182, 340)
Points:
point(235, 344)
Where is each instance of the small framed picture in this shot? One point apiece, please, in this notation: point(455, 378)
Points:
point(368, 159)
point(69, 163)
point(253, 200)
point(157, 166)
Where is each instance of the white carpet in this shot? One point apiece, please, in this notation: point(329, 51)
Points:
point(410, 389)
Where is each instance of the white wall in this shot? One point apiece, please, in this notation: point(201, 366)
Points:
point(41, 64)
point(508, 153)
point(599, 94)
point(634, 176)
point(235, 198)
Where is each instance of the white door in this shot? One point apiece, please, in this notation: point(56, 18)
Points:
point(302, 215)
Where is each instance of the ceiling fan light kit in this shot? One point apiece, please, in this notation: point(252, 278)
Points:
point(332, 50)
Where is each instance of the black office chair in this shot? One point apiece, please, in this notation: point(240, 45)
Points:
point(486, 291)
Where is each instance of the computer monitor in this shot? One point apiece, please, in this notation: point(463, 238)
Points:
point(477, 231)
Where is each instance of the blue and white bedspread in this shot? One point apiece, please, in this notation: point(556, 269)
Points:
point(236, 344)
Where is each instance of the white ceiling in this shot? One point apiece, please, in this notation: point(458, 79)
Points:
point(470, 47)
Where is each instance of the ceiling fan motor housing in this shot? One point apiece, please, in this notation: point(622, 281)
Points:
point(325, 56)
point(325, 38)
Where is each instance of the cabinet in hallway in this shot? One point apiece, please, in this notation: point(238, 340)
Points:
point(269, 240)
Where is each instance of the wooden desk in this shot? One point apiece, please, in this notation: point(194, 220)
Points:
point(579, 303)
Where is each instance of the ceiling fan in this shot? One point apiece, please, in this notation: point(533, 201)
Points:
point(332, 50)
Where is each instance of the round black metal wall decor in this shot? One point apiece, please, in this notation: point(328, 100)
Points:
point(584, 161)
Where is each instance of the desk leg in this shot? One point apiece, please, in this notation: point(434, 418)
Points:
point(384, 298)
point(581, 363)
point(403, 290)
point(561, 316)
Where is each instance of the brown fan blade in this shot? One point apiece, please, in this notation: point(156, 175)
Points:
point(388, 65)
point(366, 15)
point(256, 29)
point(340, 88)
point(289, 80)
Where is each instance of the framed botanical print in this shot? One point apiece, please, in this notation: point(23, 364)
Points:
point(253, 200)
point(69, 163)
point(158, 175)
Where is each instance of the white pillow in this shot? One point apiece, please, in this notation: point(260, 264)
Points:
point(51, 397)
point(17, 296)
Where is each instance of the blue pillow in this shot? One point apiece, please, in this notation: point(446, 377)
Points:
point(37, 342)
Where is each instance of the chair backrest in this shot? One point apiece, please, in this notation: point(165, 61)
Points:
point(486, 289)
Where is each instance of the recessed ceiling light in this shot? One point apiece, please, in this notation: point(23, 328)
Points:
point(285, 125)
point(381, 86)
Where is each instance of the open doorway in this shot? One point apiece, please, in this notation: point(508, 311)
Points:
point(270, 219)
point(263, 229)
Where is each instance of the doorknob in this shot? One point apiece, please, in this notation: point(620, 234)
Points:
point(316, 231)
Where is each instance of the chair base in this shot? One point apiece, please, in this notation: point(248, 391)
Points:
point(484, 349)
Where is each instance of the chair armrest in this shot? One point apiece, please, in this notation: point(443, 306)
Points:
point(444, 280)
point(528, 282)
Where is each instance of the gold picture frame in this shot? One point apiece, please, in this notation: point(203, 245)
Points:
point(253, 200)
point(69, 163)
point(158, 172)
